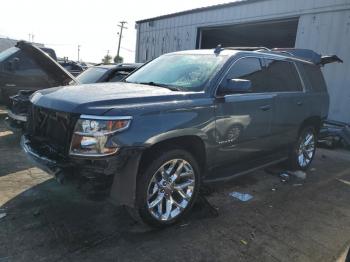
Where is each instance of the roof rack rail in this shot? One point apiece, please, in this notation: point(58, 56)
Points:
point(247, 48)
point(219, 48)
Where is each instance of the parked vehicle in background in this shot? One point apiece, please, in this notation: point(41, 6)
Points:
point(75, 68)
point(26, 67)
point(107, 73)
point(18, 109)
point(183, 119)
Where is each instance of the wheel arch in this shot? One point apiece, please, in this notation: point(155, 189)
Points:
point(315, 121)
point(191, 143)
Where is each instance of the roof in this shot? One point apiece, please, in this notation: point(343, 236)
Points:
point(301, 55)
point(201, 9)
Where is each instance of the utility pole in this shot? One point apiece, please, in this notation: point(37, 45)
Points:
point(31, 37)
point(122, 26)
point(79, 52)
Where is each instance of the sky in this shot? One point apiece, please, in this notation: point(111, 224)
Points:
point(92, 24)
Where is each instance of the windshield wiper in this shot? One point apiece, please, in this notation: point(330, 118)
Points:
point(151, 83)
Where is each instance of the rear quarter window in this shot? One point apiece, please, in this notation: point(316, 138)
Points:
point(314, 77)
point(282, 76)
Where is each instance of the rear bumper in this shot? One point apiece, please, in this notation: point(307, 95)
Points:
point(120, 170)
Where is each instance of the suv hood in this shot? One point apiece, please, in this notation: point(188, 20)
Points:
point(47, 63)
point(97, 99)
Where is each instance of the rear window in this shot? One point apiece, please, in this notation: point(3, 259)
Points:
point(282, 76)
point(313, 75)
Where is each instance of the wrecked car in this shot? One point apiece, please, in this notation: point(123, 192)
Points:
point(20, 70)
point(58, 76)
point(182, 120)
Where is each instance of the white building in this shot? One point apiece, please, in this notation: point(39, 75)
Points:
point(320, 25)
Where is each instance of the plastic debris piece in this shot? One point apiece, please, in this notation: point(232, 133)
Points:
point(244, 242)
point(299, 174)
point(284, 177)
point(273, 189)
point(241, 196)
point(36, 213)
point(2, 215)
point(344, 181)
point(297, 184)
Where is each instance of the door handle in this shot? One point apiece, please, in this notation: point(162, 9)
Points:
point(299, 103)
point(265, 108)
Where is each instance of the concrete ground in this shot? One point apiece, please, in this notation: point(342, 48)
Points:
point(296, 220)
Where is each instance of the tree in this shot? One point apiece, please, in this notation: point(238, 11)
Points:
point(107, 59)
point(118, 59)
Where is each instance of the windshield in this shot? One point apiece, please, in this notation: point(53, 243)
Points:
point(187, 72)
point(91, 75)
point(7, 53)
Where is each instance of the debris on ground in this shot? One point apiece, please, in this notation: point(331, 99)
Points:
point(299, 174)
point(184, 225)
point(244, 242)
point(284, 177)
point(252, 235)
point(2, 215)
point(241, 196)
point(313, 169)
point(297, 184)
point(36, 213)
point(334, 134)
point(344, 181)
point(273, 189)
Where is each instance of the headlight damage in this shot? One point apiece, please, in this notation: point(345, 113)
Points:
point(91, 135)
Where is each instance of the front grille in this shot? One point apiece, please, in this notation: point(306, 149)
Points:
point(51, 128)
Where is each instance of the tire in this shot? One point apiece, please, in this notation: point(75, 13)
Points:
point(304, 150)
point(168, 188)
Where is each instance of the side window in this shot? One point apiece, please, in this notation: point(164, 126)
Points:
point(314, 77)
point(249, 69)
point(281, 76)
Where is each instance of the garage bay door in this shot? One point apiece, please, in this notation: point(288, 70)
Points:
point(280, 33)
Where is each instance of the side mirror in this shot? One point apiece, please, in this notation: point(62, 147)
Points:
point(234, 86)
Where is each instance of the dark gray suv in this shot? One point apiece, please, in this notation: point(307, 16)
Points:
point(183, 119)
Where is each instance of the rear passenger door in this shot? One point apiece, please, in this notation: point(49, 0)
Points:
point(282, 78)
point(243, 121)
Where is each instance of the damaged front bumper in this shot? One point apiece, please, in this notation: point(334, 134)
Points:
point(119, 171)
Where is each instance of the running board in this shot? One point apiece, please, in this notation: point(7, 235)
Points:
point(241, 173)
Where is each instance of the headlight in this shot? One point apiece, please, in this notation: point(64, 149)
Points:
point(91, 133)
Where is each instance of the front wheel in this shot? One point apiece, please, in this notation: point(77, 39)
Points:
point(168, 188)
point(304, 150)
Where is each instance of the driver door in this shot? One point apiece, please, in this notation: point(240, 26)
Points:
point(244, 120)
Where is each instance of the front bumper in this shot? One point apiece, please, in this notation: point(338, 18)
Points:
point(48, 165)
point(119, 170)
point(15, 122)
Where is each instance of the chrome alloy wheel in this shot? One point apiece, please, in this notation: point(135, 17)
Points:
point(170, 189)
point(306, 149)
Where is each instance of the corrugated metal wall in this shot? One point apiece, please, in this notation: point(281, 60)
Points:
point(324, 26)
